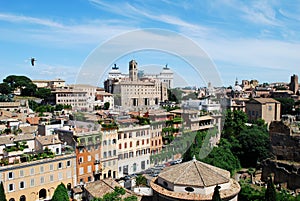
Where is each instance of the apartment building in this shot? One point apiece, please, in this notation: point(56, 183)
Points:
point(36, 180)
point(134, 149)
point(76, 98)
point(109, 154)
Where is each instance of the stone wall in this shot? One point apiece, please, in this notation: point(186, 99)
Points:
point(285, 144)
point(285, 173)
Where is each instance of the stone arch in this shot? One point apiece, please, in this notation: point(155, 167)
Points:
point(23, 198)
point(42, 193)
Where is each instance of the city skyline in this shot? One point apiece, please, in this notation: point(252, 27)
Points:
point(245, 40)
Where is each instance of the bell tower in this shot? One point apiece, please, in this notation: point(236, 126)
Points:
point(133, 71)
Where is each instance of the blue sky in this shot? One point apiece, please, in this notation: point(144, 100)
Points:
point(244, 39)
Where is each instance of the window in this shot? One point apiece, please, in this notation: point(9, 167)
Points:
point(125, 145)
point(80, 160)
point(69, 174)
point(114, 152)
point(89, 169)
point(89, 179)
point(130, 135)
point(31, 182)
point(68, 163)
point(134, 167)
point(42, 180)
point(270, 107)
point(21, 173)
point(60, 176)
point(120, 146)
point(41, 169)
point(22, 185)
point(189, 189)
point(89, 158)
point(130, 144)
point(143, 165)
point(51, 167)
point(137, 143)
point(104, 154)
point(51, 178)
point(81, 171)
point(10, 175)
point(59, 165)
point(11, 187)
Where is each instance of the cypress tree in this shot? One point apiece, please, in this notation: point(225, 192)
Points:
point(2, 193)
point(270, 194)
point(216, 196)
point(60, 193)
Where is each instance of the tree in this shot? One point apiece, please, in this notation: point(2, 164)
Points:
point(222, 157)
point(60, 193)
point(27, 87)
point(251, 151)
point(287, 105)
point(140, 180)
point(5, 88)
point(216, 196)
point(43, 93)
point(235, 122)
point(270, 194)
point(2, 193)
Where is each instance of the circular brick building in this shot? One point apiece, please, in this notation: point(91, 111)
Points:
point(193, 180)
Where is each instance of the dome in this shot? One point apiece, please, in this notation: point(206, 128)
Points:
point(194, 180)
point(237, 88)
point(195, 173)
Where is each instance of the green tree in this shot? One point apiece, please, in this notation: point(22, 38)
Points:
point(140, 180)
point(270, 194)
point(216, 196)
point(175, 95)
point(60, 193)
point(106, 106)
point(2, 193)
point(43, 93)
point(222, 157)
point(287, 105)
point(5, 88)
point(251, 151)
point(27, 87)
point(131, 198)
point(235, 122)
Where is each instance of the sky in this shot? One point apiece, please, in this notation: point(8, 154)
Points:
point(241, 39)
